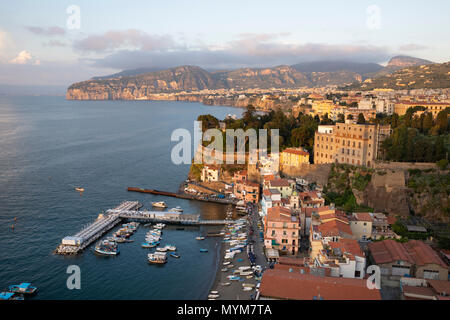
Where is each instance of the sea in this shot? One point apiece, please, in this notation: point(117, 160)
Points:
point(48, 147)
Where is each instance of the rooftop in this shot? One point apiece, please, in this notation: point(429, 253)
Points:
point(282, 284)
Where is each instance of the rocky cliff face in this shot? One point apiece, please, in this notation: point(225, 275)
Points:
point(191, 78)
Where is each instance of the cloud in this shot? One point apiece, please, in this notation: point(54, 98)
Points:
point(135, 39)
point(54, 43)
point(22, 58)
point(246, 50)
point(412, 47)
point(50, 31)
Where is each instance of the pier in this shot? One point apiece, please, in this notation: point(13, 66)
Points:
point(183, 196)
point(127, 210)
point(105, 222)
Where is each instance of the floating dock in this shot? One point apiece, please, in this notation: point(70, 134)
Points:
point(127, 210)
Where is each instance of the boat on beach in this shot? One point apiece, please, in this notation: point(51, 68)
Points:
point(225, 284)
point(23, 288)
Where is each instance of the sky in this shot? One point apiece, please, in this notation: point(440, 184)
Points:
point(58, 42)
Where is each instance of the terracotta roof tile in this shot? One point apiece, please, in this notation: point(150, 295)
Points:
point(281, 284)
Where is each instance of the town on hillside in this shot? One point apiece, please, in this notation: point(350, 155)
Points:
point(351, 188)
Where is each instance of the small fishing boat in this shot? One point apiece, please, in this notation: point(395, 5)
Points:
point(11, 296)
point(203, 250)
point(224, 269)
point(79, 189)
point(23, 288)
point(225, 284)
point(214, 292)
point(176, 209)
point(157, 257)
point(247, 288)
point(213, 296)
point(147, 224)
point(106, 247)
point(200, 238)
point(234, 278)
point(162, 249)
point(159, 204)
point(149, 244)
point(226, 263)
point(173, 254)
point(171, 247)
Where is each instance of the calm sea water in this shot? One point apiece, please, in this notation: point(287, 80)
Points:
point(48, 146)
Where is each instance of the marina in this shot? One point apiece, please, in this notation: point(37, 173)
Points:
point(129, 210)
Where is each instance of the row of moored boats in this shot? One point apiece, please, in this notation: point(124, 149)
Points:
point(18, 291)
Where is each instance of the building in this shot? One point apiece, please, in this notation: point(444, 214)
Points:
point(282, 230)
point(311, 199)
point(282, 185)
point(385, 106)
point(344, 258)
point(210, 173)
point(434, 107)
point(322, 107)
point(361, 225)
point(413, 258)
point(247, 191)
point(354, 112)
point(270, 198)
point(349, 143)
point(294, 157)
point(290, 285)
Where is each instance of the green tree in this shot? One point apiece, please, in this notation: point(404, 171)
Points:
point(361, 119)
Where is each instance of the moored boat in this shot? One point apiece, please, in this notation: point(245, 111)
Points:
point(159, 204)
point(173, 254)
point(79, 189)
point(106, 247)
point(163, 249)
point(23, 288)
point(200, 238)
point(157, 257)
point(176, 209)
point(149, 244)
point(11, 296)
point(203, 250)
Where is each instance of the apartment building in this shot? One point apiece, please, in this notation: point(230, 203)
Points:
point(349, 143)
point(282, 230)
point(434, 107)
point(294, 157)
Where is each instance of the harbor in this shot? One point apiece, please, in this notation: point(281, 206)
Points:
point(128, 210)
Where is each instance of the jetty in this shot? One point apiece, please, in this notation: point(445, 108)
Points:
point(129, 211)
point(182, 195)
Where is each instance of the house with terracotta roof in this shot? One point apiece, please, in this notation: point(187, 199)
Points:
point(247, 191)
point(282, 230)
point(361, 225)
point(311, 199)
point(414, 258)
point(281, 185)
point(291, 285)
point(293, 157)
point(330, 227)
point(344, 258)
point(433, 290)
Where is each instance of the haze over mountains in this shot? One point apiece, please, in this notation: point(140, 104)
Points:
point(145, 81)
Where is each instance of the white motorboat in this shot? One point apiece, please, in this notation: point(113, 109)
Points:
point(159, 204)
